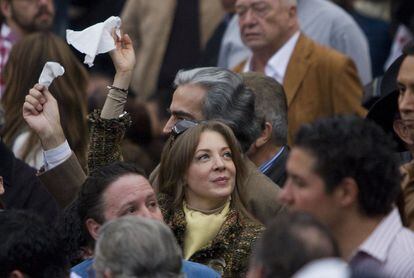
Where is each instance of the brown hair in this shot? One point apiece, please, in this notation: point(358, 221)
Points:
point(22, 71)
point(178, 155)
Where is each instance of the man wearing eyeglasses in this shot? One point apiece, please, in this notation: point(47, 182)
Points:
point(318, 81)
point(20, 18)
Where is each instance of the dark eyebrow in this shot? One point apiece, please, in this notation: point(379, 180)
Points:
point(399, 84)
point(124, 206)
point(180, 113)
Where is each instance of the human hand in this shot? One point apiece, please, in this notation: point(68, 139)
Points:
point(41, 112)
point(123, 56)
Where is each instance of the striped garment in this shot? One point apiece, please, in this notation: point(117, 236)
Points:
point(389, 250)
point(7, 39)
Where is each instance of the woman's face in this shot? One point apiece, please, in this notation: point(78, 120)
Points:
point(212, 173)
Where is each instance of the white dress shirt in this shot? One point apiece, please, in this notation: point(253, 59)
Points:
point(277, 64)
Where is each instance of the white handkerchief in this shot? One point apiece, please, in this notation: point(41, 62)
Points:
point(95, 39)
point(50, 71)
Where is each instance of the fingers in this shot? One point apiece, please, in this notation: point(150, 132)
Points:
point(29, 109)
point(35, 99)
point(34, 102)
point(127, 40)
point(39, 87)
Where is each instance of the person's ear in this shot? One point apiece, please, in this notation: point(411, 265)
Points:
point(5, 8)
point(402, 131)
point(264, 136)
point(347, 192)
point(93, 227)
point(16, 274)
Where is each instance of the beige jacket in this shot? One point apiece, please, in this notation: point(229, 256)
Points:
point(148, 23)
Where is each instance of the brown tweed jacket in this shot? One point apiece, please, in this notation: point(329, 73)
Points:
point(228, 253)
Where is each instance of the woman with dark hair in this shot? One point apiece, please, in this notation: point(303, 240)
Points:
point(199, 172)
point(22, 70)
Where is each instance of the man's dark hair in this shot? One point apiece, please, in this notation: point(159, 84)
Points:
point(289, 242)
point(350, 147)
point(270, 104)
point(30, 246)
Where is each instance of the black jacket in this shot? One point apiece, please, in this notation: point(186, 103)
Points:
point(23, 189)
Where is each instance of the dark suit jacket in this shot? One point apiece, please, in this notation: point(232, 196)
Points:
point(319, 82)
point(277, 171)
point(23, 190)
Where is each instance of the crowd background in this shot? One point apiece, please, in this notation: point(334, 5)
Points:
point(227, 132)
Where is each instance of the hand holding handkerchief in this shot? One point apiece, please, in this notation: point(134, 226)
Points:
point(50, 71)
point(95, 39)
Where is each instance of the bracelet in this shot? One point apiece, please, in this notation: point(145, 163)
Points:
point(109, 87)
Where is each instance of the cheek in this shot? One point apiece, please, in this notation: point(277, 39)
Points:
point(304, 198)
point(158, 215)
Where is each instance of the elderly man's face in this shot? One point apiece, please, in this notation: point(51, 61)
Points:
point(187, 104)
point(264, 24)
point(30, 15)
point(406, 97)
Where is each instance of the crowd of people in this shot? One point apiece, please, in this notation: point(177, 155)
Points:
point(219, 138)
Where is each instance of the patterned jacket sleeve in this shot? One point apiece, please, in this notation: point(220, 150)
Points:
point(105, 139)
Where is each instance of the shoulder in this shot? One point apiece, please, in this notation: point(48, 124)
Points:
point(192, 269)
point(250, 230)
point(82, 269)
point(327, 59)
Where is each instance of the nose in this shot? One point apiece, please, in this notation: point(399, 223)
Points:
point(406, 101)
point(144, 212)
point(219, 163)
point(285, 195)
point(169, 125)
point(249, 18)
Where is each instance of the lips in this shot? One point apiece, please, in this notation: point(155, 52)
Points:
point(221, 180)
point(250, 35)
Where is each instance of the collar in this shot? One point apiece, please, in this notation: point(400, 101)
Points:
point(7, 34)
point(380, 240)
point(265, 166)
point(277, 64)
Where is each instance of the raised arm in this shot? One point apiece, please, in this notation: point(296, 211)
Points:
point(63, 176)
point(123, 58)
point(41, 112)
point(108, 127)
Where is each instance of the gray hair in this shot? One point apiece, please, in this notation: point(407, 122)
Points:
point(227, 100)
point(133, 246)
point(270, 105)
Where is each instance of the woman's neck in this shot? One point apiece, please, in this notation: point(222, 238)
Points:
point(206, 207)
